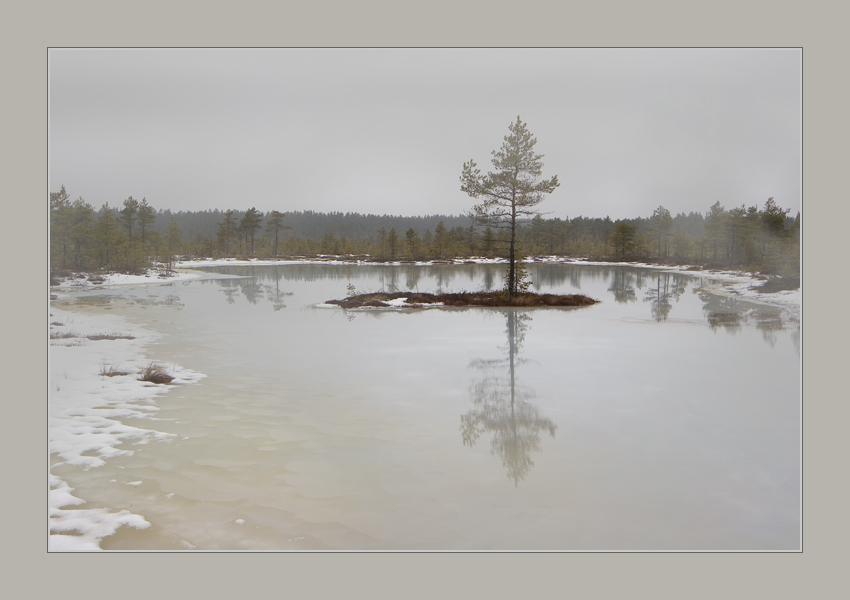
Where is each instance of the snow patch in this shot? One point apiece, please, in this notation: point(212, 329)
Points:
point(87, 416)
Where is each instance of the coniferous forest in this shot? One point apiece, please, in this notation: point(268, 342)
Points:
point(129, 237)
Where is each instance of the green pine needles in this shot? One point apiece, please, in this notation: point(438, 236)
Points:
point(510, 192)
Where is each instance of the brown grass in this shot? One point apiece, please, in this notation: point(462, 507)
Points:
point(779, 284)
point(111, 371)
point(492, 299)
point(109, 336)
point(155, 373)
point(59, 335)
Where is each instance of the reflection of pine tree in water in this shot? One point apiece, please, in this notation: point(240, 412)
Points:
point(732, 313)
point(253, 290)
point(668, 286)
point(488, 279)
point(502, 407)
point(548, 276)
point(411, 275)
point(621, 286)
point(274, 295)
point(722, 311)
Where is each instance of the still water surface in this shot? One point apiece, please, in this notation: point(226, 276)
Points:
point(664, 417)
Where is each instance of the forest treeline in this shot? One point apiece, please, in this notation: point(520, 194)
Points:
point(129, 237)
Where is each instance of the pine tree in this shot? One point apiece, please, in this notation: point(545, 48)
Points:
point(147, 216)
point(129, 214)
point(382, 242)
point(226, 232)
point(412, 241)
point(392, 242)
point(714, 221)
point(250, 224)
point(81, 228)
point(441, 240)
point(662, 221)
point(60, 213)
point(107, 237)
point(172, 242)
point(623, 238)
point(428, 243)
point(274, 225)
point(511, 192)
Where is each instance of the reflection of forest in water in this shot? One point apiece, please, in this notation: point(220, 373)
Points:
point(252, 286)
point(390, 277)
point(104, 300)
point(502, 406)
point(731, 314)
point(661, 290)
point(726, 313)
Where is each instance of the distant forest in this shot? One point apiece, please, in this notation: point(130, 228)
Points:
point(128, 238)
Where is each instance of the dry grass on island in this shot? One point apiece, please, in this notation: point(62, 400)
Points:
point(493, 299)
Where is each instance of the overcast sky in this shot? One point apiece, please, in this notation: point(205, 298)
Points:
point(388, 130)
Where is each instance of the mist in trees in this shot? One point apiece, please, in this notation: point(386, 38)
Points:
point(131, 235)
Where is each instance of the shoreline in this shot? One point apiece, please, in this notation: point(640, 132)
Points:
point(730, 283)
point(88, 413)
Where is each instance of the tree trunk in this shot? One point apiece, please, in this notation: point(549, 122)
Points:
point(512, 251)
point(512, 261)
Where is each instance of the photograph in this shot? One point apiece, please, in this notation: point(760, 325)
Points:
point(424, 299)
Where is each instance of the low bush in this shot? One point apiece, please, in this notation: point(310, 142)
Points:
point(111, 371)
point(155, 373)
point(494, 299)
point(61, 335)
point(109, 336)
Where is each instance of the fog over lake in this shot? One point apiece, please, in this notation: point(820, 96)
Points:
point(666, 417)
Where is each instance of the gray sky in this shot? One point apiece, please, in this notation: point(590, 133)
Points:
point(388, 130)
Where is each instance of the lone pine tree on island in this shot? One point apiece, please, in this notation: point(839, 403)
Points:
point(510, 193)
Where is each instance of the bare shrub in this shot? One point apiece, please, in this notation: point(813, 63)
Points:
point(107, 370)
point(109, 336)
point(61, 335)
point(155, 373)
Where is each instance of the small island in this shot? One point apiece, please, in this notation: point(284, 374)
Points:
point(492, 299)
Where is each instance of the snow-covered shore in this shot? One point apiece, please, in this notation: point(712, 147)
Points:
point(87, 414)
point(88, 281)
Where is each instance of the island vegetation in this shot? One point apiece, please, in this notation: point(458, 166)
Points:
point(492, 298)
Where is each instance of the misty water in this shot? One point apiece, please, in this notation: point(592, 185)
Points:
point(665, 417)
